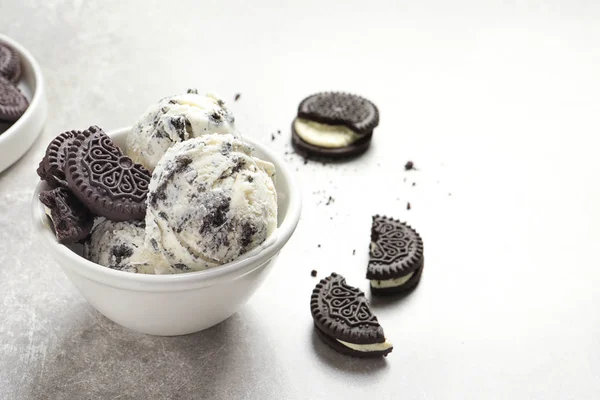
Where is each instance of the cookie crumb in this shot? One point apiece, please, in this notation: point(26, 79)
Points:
point(409, 165)
point(237, 96)
point(414, 184)
point(319, 246)
point(278, 132)
point(354, 252)
point(408, 206)
point(272, 137)
point(329, 200)
point(313, 273)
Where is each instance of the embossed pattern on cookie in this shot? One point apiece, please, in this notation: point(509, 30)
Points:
point(10, 63)
point(12, 101)
point(52, 166)
point(105, 180)
point(344, 320)
point(395, 256)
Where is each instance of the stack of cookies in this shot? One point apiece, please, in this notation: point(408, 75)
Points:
point(90, 176)
point(12, 101)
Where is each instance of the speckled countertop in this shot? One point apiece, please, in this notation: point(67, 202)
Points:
point(497, 105)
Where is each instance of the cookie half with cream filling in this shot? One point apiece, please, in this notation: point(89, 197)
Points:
point(334, 125)
point(344, 321)
point(395, 257)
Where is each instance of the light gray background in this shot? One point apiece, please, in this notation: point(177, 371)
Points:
point(498, 105)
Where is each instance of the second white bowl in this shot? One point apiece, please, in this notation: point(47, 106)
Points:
point(19, 137)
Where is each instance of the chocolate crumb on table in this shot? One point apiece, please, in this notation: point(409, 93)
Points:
point(272, 137)
point(353, 251)
point(408, 206)
point(313, 273)
point(278, 131)
point(414, 183)
point(237, 96)
point(329, 200)
point(409, 165)
point(319, 246)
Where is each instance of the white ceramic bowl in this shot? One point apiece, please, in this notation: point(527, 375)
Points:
point(176, 304)
point(18, 138)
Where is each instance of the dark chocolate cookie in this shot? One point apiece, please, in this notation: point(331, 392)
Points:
point(109, 183)
point(332, 109)
point(52, 166)
point(344, 320)
point(10, 63)
point(338, 108)
point(4, 125)
point(12, 102)
point(395, 257)
point(72, 220)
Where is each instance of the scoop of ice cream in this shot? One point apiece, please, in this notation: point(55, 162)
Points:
point(210, 201)
point(176, 119)
point(120, 245)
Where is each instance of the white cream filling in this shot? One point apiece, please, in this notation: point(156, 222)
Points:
point(391, 282)
point(367, 347)
point(324, 135)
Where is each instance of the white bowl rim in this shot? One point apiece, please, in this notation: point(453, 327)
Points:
point(36, 99)
point(232, 270)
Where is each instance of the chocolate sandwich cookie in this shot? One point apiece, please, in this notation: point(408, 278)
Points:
point(344, 320)
point(334, 125)
point(72, 220)
point(395, 258)
point(109, 183)
point(10, 63)
point(52, 166)
point(12, 102)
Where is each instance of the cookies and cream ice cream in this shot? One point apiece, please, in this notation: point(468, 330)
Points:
point(176, 119)
point(120, 246)
point(209, 202)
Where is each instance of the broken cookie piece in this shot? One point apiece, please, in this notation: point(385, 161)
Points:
point(344, 320)
point(395, 257)
point(72, 220)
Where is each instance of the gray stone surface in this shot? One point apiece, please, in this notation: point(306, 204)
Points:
point(497, 104)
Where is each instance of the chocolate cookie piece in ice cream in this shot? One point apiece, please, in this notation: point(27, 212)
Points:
point(120, 246)
point(176, 119)
point(210, 201)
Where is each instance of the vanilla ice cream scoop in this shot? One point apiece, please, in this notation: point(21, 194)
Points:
point(176, 119)
point(120, 246)
point(209, 202)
